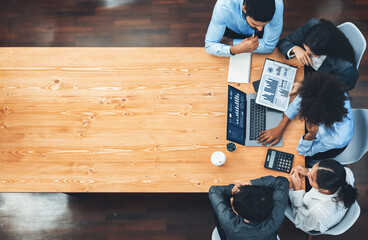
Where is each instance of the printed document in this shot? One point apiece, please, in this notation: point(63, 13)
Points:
point(276, 83)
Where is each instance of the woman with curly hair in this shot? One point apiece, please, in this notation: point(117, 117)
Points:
point(324, 106)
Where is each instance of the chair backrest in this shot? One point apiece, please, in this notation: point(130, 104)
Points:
point(349, 219)
point(356, 39)
point(359, 144)
point(215, 234)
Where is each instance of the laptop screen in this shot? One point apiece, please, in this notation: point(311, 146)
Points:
point(236, 108)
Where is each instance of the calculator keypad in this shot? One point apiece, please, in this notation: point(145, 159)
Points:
point(280, 161)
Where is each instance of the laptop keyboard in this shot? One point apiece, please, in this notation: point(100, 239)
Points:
point(257, 119)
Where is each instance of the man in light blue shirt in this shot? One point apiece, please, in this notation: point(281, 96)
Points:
point(325, 107)
point(239, 26)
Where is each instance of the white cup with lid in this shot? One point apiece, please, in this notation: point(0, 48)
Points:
point(218, 158)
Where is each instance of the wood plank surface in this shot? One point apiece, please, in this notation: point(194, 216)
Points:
point(122, 120)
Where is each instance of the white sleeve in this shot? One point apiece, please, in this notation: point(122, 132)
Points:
point(309, 219)
point(289, 54)
point(305, 219)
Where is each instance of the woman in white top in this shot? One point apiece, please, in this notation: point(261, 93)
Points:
point(327, 202)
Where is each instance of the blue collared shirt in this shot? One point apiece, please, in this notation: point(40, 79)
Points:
point(336, 136)
point(229, 13)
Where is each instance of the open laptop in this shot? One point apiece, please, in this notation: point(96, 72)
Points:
point(246, 119)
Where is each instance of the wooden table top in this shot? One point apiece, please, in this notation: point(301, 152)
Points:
point(122, 120)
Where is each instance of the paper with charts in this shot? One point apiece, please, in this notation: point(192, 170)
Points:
point(276, 83)
point(239, 68)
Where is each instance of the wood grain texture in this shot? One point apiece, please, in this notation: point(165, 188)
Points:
point(40, 23)
point(121, 120)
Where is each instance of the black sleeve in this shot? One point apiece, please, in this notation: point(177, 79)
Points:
point(276, 183)
point(295, 38)
point(347, 74)
point(280, 186)
point(220, 198)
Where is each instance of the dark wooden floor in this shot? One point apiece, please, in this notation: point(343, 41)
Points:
point(146, 23)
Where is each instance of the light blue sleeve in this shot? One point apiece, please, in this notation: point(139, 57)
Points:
point(293, 108)
point(237, 41)
point(309, 148)
point(215, 32)
point(337, 136)
point(272, 31)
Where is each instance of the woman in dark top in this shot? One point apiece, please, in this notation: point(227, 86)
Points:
point(322, 47)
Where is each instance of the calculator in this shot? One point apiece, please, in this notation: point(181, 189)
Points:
point(279, 161)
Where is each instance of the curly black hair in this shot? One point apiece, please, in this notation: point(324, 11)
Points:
point(323, 100)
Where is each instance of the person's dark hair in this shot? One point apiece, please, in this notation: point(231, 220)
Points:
point(260, 10)
point(331, 176)
point(254, 203)
point(323, 100)
point(325, 38)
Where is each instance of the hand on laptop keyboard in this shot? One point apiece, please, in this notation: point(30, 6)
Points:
point(274, 135)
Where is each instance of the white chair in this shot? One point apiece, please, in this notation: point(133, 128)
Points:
point(216, 236)
point(349, 219)
point(359, 144)
point(356, 39)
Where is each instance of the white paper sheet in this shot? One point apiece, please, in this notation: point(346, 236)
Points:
point(276, 83)
point(239, 68)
